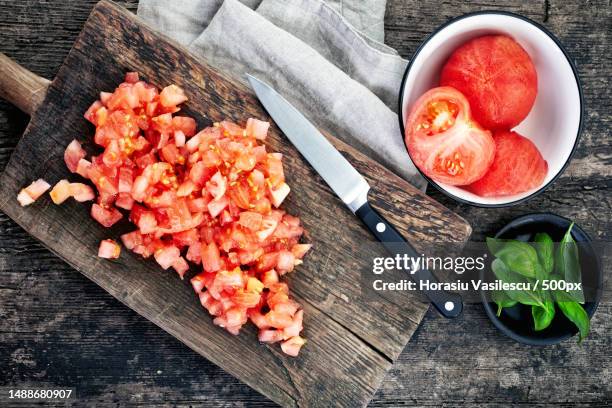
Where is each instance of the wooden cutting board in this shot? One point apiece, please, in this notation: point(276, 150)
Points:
point(352, 341)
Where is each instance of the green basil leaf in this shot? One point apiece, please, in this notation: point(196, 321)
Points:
point(545, 249)
point(495, 244)
point(520, 257)
point(502, 300)
point(575, 313)
point(567, 263)
point(526, 297)
point(543, 315)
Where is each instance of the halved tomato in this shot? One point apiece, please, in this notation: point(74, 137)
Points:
point(443, 140)
point(518, 167)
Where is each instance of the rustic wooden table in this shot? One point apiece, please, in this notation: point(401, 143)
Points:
point(58, 329)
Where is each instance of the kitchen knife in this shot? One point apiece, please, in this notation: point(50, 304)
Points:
point(349, 185)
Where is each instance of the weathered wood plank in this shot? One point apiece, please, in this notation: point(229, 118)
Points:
point(72, 332)
point(352, 343)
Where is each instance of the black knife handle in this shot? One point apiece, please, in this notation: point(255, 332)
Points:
point(448, 304)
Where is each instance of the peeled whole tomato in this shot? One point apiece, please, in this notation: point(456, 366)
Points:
point(497, 77)
point(518, 167)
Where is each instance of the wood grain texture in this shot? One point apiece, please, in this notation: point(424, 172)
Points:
point(58, 328)
point(352, 340)
point(21, 87)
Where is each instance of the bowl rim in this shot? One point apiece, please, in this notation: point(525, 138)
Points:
point(580, 95)
point(535, 341)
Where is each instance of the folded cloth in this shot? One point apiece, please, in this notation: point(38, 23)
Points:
point(343, 81)
point(183, 20)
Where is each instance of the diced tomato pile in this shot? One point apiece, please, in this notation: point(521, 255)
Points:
point(210, 197)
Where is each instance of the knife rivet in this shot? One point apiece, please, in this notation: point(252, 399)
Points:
point(381, 227)
point(449, 306)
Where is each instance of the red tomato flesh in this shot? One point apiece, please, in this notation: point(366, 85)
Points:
point(109, 249)
point(444, 142)
point(32, 192)
point(74, 152)
point(497, 77)
point(518, 167)
point(205, 197)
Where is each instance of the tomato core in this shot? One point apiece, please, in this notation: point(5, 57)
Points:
point(439, 116)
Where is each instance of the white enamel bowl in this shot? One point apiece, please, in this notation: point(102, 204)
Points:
point(555, 121)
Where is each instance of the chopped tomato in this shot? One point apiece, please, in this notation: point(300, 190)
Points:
point(257, 128)
point(24, 198)
point(443, 140)
point(147, 223)
point(295, 327)
point(125, 201)
point(497, 77)
point(180, 266)
point(109, 249)
point(186, 238)
point(60, 192)
point(285, 262)
point(278, 194)
point(211, 258)
point(215, 207)
point(74, 152)
point(518, 167)
point(32, 192)
point(251, 220)
point(270, 335)
point(185, 125)
point(106, 217)
point(83, 167)
point(171, 96)
point(269, 278)
point(274, 168)
point(131, 77)
point(132, 239)
point(299, 250)
point(293, 345)
point(81, 192)
point(194, 253)
point(179, 138)
point(217, 185)
point(90, 114)
point(167, 256)
point(126, 179)
point(209, 197)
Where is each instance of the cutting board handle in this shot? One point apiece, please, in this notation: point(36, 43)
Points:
point(21, 87)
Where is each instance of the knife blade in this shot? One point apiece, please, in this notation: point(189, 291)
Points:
point(350, 186)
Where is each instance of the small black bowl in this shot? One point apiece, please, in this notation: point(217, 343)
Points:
point(516, 322)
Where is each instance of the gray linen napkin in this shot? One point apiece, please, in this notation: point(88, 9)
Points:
point(343, 80)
